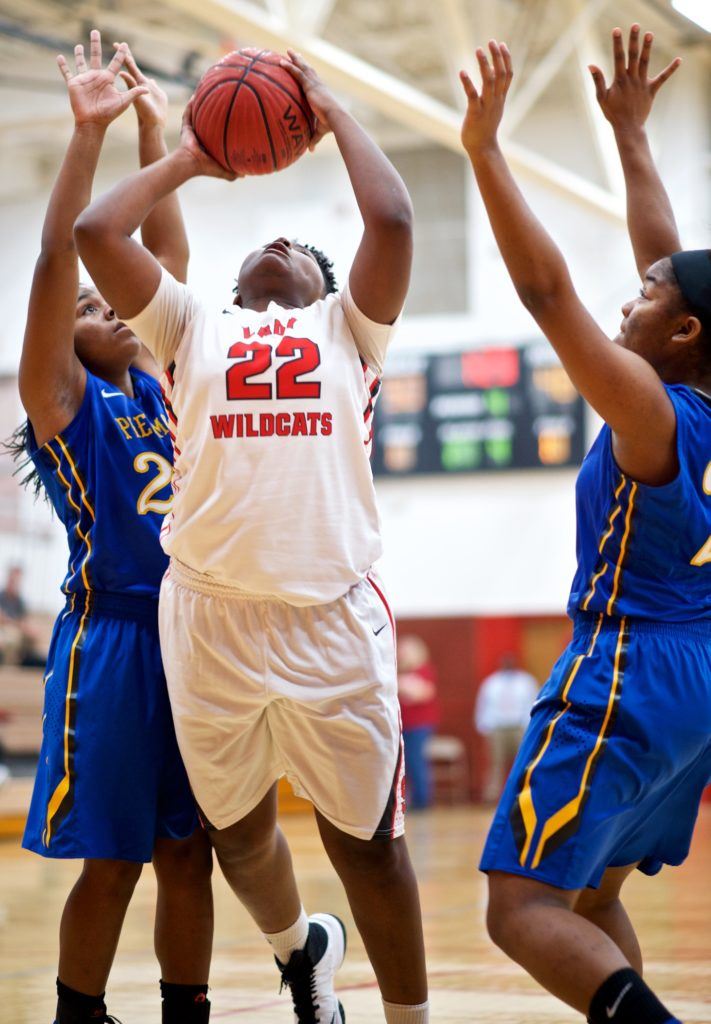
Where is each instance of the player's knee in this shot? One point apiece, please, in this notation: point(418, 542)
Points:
point(239, 848)
point(497, 922)
point(118, 877)
point(385, 861)
point(186, 863)
point(503, 907)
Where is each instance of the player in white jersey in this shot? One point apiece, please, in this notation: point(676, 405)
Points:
point(277, 638)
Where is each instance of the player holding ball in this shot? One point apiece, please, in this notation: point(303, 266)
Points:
point(277, 638)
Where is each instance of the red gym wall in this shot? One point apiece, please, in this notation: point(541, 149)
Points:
point(465, 650)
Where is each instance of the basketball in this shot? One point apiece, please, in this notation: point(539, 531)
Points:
point(250, 114)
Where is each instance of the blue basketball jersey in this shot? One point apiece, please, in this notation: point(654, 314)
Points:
point(108, 476)
point(646, 551)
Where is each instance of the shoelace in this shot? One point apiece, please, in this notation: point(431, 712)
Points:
point(299, 976)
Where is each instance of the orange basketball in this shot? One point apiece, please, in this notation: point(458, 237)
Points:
point(250, 114)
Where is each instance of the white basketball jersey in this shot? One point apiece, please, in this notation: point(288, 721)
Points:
point(272, 422)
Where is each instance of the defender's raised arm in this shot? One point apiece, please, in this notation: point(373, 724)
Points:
point(125, 272)
point(623, 386)
point(51, 377)
point(626, 104)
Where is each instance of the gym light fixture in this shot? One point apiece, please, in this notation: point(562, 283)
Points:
point(696, 10)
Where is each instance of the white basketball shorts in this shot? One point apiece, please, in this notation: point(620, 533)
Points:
point(260, 689)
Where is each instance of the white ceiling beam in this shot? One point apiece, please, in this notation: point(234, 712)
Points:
point(545, 70)
point(524, 30)
point(590, 52)
point(279, 9)
point(346, 73)
point(310, 15)
point(386, 94)
point(453, 35)
point(563, 180)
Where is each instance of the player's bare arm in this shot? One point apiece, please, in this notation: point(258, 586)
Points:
point(623, 387)
point(380, 274)
point(163, 232)
point(51, 378)
point(126, 273)
point(626, 103)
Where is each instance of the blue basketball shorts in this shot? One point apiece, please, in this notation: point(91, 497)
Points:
point(110, 779)
point(615, 759)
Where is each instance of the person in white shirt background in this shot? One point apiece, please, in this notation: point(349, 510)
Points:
point(503, 706)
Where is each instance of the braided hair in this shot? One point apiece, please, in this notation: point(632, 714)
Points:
point(16, 446)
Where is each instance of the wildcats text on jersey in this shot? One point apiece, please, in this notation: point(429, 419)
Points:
point(267, 424)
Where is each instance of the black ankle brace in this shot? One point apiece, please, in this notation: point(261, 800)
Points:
point(184, 1004)
point(78, 1008)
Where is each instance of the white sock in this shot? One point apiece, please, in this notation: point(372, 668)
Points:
point(292, 938)
point(395, 1013)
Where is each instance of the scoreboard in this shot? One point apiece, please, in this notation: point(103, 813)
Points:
point(480, 410)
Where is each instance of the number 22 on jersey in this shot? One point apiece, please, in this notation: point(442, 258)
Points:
point(302, 357)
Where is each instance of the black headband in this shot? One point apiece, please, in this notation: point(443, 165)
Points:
point(693, 273)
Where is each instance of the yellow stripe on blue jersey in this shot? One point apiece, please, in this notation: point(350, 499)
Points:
point(84, 534)
point(567, 816)
point(617, 508)
point(623, 551)
point(62, 798)
point(525, 802)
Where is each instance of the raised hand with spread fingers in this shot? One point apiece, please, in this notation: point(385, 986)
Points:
point(151, 106)
point(485, 107)
point(93, 95)
point(626, 103)
point(627, 100)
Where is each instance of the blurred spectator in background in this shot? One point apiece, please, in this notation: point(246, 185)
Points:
point(18, 635)
point(502, 711)
point(4, 769)
point(417, 691)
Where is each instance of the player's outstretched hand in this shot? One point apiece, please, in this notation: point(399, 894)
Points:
point(626, 102)
point(485, 108)
point(320, 98)
point(152, 106)
point(204, 164)
point(92, 89)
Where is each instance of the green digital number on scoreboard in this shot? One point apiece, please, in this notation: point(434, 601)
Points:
point(483, 410)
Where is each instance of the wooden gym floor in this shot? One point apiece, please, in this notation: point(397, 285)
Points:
point(470, 980)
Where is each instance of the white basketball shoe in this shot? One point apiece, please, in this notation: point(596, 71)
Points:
point(310, 972)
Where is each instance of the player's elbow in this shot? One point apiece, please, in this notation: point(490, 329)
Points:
point(91, 229)
point(395, 217)
point(541, 294)
point(84, 233)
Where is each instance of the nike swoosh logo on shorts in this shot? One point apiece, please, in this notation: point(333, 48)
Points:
point(112, 394)
point(376, 631)
point(612, 1010)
